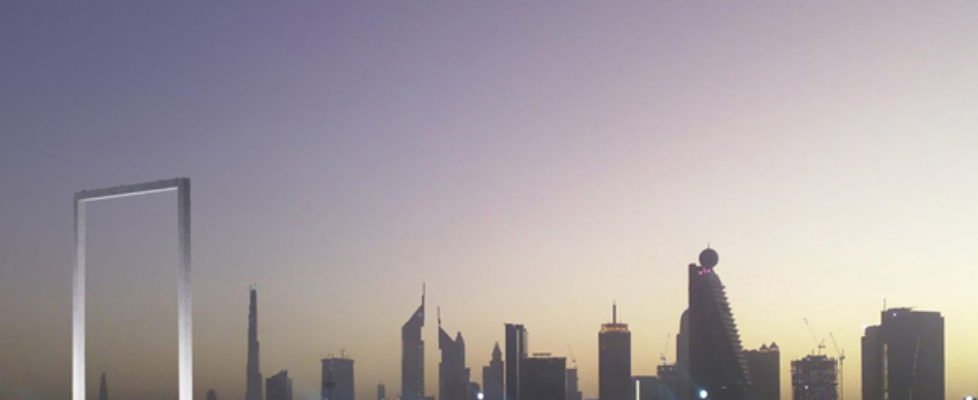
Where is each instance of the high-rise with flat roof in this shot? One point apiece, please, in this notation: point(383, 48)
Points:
point(543, 378)
point(337, 379)
point(903, 357)
point(764, 365)
point(516, 351)
point(614, 359)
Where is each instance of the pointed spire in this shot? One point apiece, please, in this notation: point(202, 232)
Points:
point(422, 293)
point(614, 312)
point(439, 317)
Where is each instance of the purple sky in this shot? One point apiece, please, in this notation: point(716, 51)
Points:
point(341, 154)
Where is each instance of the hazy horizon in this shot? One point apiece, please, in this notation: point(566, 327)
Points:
point(530, 163)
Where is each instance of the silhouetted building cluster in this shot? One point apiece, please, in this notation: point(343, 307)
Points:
point(902, 359)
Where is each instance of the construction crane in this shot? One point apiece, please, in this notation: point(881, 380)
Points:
point(842, 358)
point(819, 344)
point(662, 355)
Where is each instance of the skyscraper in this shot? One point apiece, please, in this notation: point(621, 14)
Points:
point(337, 382)
point(814, 378)
point(103, 389)
point(764, 365)
point(614, 359)
point(381, 392)
point(453, 376)
point(543, 377)
point(279, 386)
point(412, 355)
point(253, 391)
point(211, 395)
point(573, 385)
point(717, 370)
point(903, 357)
point(516, 350)
point(492, 376)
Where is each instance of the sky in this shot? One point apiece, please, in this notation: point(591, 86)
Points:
point(530, 162)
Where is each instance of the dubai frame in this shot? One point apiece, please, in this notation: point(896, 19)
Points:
point(184, 303)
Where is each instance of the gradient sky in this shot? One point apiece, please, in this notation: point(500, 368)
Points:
point(532, 162)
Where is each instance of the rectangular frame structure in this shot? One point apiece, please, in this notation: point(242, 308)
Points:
point(184, 298)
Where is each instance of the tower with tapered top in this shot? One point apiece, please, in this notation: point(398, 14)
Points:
point(412, 355)
point(254, 371)
point(717, 369)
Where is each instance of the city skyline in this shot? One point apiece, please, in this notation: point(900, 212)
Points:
point(530, 163)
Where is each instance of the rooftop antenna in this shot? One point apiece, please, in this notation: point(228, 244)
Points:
point(422, 292)
point(439, 317)
point(614, 312)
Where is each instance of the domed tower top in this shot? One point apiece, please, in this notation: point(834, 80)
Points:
point(709, 258)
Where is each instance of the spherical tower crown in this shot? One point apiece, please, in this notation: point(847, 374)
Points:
point(709, 258)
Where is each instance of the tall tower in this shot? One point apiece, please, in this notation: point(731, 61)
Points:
point(253, 391)
point(903, 356)
point(453, 377)
point(381, 392)
point(614, 359)
point(412, 355)
point(717, 369)
point(492, 376)
point(103, 389)
point(515, 353)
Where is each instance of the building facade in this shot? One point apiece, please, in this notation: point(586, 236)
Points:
point(492, 376)
point(516, 351)
point(903, 357)
point(254, 380)
point(279, 386)
point(764, 366)
point(337, 379)
point(717, 369)
point(614, 360)
point(814, 378)
point(412, 355)
point(453, 376)
point(543, 378)
point(647, 387)
point(573, 385)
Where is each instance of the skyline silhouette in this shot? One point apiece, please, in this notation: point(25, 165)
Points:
point(530, 163)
